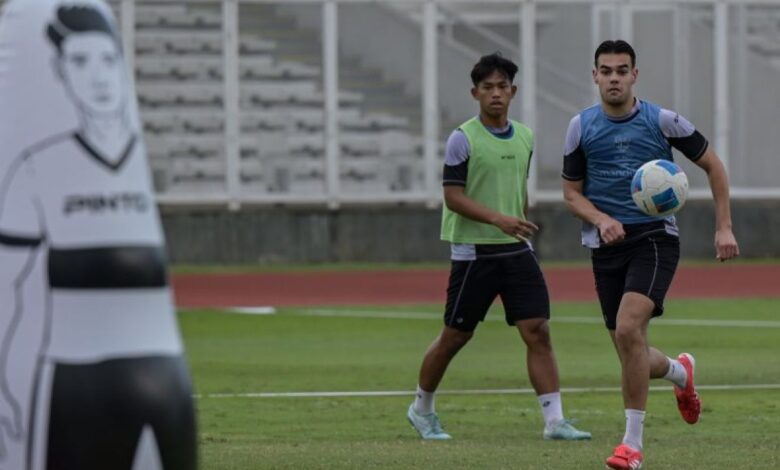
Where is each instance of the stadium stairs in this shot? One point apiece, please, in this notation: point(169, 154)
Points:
point(180, 90)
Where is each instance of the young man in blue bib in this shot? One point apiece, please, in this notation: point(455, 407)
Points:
point(484, 218)
point(634, 255)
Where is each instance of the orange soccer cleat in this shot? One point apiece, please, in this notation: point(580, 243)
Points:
point(687, 399)
point(625, 458)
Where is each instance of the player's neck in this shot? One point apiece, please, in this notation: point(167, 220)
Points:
point(497, 122)
point(621, 110)
point(108, 136)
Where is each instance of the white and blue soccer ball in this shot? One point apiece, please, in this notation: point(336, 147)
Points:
point(659, 188)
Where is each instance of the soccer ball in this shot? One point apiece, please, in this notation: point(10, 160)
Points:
point(659, 188)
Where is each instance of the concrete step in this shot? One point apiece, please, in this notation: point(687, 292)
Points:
point(395, 89)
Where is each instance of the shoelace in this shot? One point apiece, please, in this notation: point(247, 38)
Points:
point(569, 422)
point(435, 425)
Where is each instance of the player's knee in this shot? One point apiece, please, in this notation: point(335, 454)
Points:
point(627, 335)
point(536, 334)
point(452, 339)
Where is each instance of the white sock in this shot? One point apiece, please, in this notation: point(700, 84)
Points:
point(635, 424)
point(676, 373)
point(423, 403)
point(551, 408)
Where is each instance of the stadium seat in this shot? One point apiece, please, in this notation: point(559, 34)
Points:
point(193, 146)
point(253, 46)
point(197, 169)
point(262, 96)
point(174, 42)
point(178, 16)
point(210, 67)
point(178, 42)
point(251, 68)
point(156, 94)
point(293, 174)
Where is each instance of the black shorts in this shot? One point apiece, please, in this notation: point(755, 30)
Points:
point(98, 412)
point(645, 266)
point(474, 285)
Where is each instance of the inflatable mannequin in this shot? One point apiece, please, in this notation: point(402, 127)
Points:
point(92, 374)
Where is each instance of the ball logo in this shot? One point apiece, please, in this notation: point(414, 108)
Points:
point(666, 201)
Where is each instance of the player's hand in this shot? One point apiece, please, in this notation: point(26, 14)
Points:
point(10, 423)
point(515, 227)
point(610, 230)
point(10, 416)
point(726, 246)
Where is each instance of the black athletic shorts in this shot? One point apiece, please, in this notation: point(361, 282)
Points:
point(98, 412)
point(645, 266)
point(474, 285)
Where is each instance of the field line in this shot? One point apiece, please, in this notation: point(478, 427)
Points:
point(497, 391)
point(390, 315)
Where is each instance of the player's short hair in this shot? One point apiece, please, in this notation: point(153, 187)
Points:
point(71, 19)
point(490, 63)
point(617, 46)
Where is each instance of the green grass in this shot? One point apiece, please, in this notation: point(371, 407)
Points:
point(293, 352)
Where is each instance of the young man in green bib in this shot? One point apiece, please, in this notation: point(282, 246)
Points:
point(484, 218)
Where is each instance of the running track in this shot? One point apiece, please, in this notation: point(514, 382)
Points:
point(414, 286)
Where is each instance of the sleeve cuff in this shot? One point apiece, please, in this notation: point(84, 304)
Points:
point(16, 240)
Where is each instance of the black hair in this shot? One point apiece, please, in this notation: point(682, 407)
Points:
point(490, 63)
point(618, 46)
point(71, 19)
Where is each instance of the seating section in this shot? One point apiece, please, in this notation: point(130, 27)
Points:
point(179, 75)
point(763, 27)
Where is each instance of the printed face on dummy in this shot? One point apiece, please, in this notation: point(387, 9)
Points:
point(92, 67)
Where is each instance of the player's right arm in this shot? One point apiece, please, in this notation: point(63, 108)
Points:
point(456, 199)
point(574, 174)
point(20, 238)
point(610, 230)
point(14, 261)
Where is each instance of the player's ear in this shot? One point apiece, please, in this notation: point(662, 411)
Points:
point(514, 90)
point(56, 65)
point(474, 93)
point(595, 74)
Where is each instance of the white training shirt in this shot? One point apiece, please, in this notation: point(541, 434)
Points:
point(96, 226)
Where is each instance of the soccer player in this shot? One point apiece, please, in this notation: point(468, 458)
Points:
point(78, 221)
point(484, 218)
point(634, 256)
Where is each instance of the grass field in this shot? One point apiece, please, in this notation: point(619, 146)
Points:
point(379, 350)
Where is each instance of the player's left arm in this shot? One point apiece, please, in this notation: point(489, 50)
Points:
point(527, 175)
point(726, 246)
point(525, 205)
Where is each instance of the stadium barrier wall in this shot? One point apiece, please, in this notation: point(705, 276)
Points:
point(278, 235)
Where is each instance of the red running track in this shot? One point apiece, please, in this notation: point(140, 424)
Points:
point(414, 286)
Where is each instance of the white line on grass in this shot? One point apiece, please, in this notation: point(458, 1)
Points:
point(498, 391)
point(589, 320)
point(257, 310)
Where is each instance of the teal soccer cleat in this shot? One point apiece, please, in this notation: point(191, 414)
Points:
point(564, 431)
point(427, 426)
